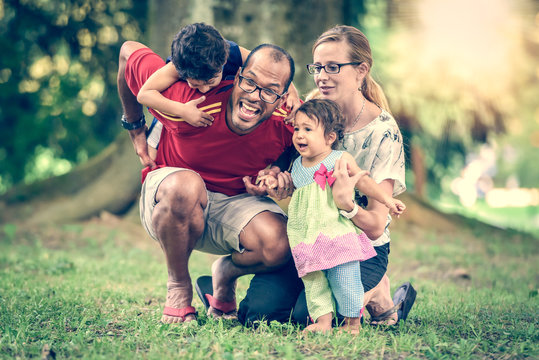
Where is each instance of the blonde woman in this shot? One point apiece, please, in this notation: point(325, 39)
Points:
point(342, 61)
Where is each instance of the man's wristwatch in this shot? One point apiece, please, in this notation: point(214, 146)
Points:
point(352, 213)
point(133, 125)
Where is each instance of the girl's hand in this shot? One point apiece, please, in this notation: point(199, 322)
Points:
point(284, 187)
point(396, 207)
point(194, 116)
point(261, 187)
point(270, 182)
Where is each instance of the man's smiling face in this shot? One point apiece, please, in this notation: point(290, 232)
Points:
point(246, 111)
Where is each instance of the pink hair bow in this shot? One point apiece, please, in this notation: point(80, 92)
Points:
point(321, 175)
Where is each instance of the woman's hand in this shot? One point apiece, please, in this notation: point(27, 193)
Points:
point(292, 104)
point(344, 186)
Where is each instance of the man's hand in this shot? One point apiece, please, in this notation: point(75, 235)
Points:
point(253, 189)
point(270, 182)
point(194, 116)
point(282, 186)
point(138, 138)
point(261, 186)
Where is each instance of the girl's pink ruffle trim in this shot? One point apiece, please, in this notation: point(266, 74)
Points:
point(326, 253)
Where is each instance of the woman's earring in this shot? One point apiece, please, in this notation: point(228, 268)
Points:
point(363, 85)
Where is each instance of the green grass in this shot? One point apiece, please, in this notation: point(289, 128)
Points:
point(518, 218)
point(96, 290)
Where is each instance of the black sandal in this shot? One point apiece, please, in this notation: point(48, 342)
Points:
point(403, 299)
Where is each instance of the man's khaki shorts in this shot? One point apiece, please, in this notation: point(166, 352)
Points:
point(225, 216)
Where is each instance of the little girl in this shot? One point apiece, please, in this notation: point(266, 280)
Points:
point(326, 245)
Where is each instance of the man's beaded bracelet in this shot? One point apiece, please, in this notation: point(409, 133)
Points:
point(133, 125)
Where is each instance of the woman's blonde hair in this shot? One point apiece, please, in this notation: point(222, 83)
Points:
point(360, 51)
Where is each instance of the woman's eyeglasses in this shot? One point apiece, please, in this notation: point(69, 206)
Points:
point(315, 69)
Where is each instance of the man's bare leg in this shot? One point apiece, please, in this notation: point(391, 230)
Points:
point(179, 290)
point(179, 222)
point(266, 248)
point(378, 300)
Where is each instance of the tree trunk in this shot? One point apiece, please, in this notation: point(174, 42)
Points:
point(293, 25)
point(419, 169)
point(109, 182)
point(167, 17)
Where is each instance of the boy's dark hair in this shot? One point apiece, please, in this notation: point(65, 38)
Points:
point(277, 54)
point(327, 114)
point(199, 52)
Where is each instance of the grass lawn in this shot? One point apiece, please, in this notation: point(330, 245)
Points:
point(97, 289)
point(523, 218)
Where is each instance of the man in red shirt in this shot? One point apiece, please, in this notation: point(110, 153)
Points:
point(195, 194)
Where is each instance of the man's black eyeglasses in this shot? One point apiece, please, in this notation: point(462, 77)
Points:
point(315, 69)
point(266, 95)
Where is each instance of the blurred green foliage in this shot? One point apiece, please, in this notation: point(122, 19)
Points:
point(58, 81)
point(458, 75)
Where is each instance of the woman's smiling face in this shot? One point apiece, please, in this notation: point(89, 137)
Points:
point(337, 87)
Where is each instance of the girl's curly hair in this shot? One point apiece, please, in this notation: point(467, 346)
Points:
point(326, 113)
